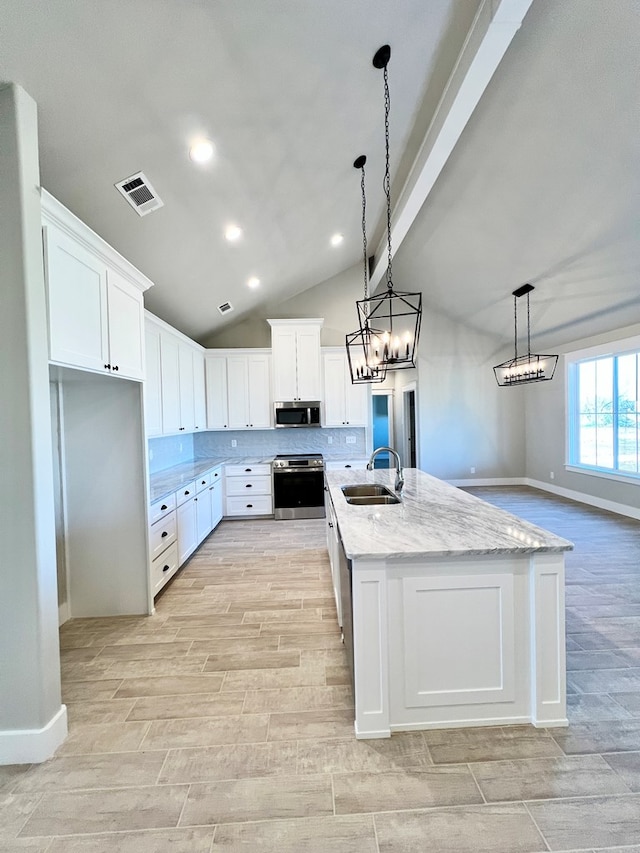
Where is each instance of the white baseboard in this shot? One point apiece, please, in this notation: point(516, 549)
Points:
point(64, 613)
point(571, 494)
point(33, 746)
point(581, 497)
point(489, 481)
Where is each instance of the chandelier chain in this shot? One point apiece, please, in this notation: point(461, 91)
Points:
point(528, 330)
point(387, 177)
point(515, 327)
point(364, 236)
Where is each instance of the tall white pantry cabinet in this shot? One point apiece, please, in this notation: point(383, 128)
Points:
point(97, 364)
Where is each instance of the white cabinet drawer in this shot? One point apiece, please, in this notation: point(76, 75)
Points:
point(215, 475)
point(185, 493)
point(254, 505)
point(337, 465)
point(203, 482)
point(162, 534)
point(161, 508)
point(248, 486)
point(262, 469)
point(164, 567)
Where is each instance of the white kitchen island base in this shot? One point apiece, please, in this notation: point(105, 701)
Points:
point(467, 641)
point(454, 610)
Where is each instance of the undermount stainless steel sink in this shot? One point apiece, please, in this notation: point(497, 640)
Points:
point(372, 500)
point(360, 490)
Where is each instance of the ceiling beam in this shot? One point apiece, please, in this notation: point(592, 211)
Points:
point(491, 33)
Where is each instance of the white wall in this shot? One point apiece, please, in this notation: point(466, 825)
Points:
point(32, 718)
point(546, 432)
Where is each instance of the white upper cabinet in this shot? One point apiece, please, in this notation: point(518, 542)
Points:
point(126, 327)
point(199, 400)
point(238, 389)
point(345, 404)
point(295, 347)
point(94, 298)
point(216, 384)
point(174, 381)
point(152, 388)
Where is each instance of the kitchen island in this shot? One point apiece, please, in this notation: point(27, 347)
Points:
point(457, 609)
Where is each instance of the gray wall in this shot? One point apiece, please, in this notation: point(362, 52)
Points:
point(546, 432)
point(333, 299)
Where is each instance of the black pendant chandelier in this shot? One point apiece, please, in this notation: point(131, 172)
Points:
point(524, 369)
point(364, 367)
point(396, 316)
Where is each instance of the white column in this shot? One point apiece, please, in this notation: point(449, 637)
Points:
point(370, 648)
point(548, 647)
point(32, 719)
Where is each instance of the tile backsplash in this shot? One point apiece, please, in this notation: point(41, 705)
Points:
point(170, 450)
point(269, 442)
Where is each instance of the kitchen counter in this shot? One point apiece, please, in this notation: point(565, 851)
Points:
point(169, 480)
point(452, 609)
point(433, 519)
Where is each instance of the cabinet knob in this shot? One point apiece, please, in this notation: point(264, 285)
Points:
point(115, 367)
point(164, 506)
point(166, 568)
point(187, 492)
point(107, 367)
point(330, 524)
point(165, 533)
point(195, 499)
point(203, 482)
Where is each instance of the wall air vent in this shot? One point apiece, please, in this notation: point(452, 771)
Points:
point(139, 193)
point(225, 307)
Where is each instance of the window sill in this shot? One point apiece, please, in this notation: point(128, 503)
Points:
point(630, 478)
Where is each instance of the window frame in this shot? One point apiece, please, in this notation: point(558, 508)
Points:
point(613, 349)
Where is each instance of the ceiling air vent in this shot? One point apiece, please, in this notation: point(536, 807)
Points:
point(225, 307)
point(140, 194)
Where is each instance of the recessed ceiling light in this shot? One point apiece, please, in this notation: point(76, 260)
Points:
point(253, 282)
point(201, 151)
point(233, 233)
point(336, 239)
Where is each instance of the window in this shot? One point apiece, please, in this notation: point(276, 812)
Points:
point(604, 402)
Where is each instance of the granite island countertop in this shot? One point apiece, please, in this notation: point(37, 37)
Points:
point(433, 519)
point(169, 480)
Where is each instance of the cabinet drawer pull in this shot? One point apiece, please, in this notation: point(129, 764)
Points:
point(247, 470)
point(164, 506)
point(203, 482)
point(187, 492)
point(248, 485)
point(347, 466)
point(166, 568)
point(164, 533)
point(249, 506)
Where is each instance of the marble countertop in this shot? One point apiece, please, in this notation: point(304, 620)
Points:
point(434, 519)
point(165, 482)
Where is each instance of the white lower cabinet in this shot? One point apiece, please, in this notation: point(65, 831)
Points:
point(187, 529)
point(180, 522)
point(333, 546)
point(248, 490)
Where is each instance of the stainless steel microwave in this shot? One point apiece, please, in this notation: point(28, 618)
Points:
point(297, 413)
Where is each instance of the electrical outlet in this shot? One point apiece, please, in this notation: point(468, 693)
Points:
point(234, 443)
point(552, 476)
point(179, 447)
point(329, 439)
point(350, 439)
point(472, 470)
point(150, 455)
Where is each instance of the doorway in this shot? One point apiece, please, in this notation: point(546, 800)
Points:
point(382, 421)
point(409, 429)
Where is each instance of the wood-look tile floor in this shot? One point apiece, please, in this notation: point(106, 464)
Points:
point(224, 723)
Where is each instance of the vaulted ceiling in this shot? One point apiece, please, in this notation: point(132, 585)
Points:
point(543, 184)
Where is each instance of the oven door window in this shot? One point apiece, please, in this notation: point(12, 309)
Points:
point(298, 489)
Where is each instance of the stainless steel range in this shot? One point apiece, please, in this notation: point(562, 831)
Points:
point(298, 486)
